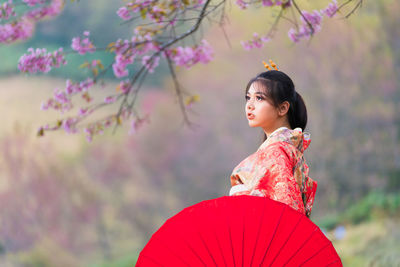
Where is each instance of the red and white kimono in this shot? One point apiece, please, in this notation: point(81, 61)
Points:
point(278, 170)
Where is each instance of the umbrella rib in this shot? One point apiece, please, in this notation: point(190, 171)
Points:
point(219, 246)
point(316, 253)
point(276, 228)
point(151, 259)
point(258, 232)
point(205, 245)
point(230, 238)
point(294, 228)
point(173, 252)
point(244, 228)
point(195, 253)
point(315, 230)
point(333, 262)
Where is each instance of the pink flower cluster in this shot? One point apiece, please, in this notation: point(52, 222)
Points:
point(126, 51)
point(83, 46)
point(68, 124)
point(110, 99)
point(124, 13)
point(146, 7)
point(315, 19)
point(40, 60)
point(18, 30)
point(99, 126)
point(33, 2)
point(244, 4)
point(154, 10)
point(61, 99)
point(124, 56)
point(142, 6)
point(257, 41)
point(7, 10)
point(23, 27)
point(124, 86)
point(284, 4)
point(137, 123)
point(51, 10)
point(331, 9)
point(188, 56)
point(304, 31)
point(150, 63)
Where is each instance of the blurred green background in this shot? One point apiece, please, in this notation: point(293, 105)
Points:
point(65, 202)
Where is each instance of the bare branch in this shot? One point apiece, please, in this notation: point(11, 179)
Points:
point(354, 9)
point(178, 91)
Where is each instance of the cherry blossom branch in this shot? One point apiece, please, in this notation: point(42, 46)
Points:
point(162, 35)
point(302, 15)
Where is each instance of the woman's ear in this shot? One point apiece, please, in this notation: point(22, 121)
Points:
point(283, 108)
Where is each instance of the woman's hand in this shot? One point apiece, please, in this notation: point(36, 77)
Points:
point(240, 189)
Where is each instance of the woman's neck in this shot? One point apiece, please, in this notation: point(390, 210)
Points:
point(270, 131)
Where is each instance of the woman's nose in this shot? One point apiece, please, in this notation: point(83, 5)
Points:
point(250, 105)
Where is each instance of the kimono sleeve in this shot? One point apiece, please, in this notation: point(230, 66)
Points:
point(278, 182)
point(310, 188)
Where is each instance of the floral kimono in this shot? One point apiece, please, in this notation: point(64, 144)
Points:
point(278, 170)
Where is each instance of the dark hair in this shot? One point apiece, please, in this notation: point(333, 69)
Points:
point(279, 88)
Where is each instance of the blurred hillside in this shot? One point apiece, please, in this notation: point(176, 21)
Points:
point(70, 203)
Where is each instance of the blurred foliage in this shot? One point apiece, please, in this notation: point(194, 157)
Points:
point(393, 184)
point(374, 205)
point(128, 261)
point(372, 243)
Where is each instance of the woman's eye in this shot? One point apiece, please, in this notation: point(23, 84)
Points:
point(259, 98)
point(247, 97)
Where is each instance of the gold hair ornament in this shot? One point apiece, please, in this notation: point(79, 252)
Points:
point(273, 65)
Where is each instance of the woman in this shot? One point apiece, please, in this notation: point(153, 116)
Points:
point(277, 169)
point(233, 231)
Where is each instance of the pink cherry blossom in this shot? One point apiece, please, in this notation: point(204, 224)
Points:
point(257, 42)
point(292, 33)
point(40, 61)
point(121, 63)
point(304, 31)
point(124, 13)
point(110, 99)
point(69, 125)
point(33, 2)
point(7, 10)
point(188, 56)
point(17, 30)
point(204, 52)
point(137, 123)
point(51, 10)
point(125, 86)
point(242, 4)
point(61, 99)
point(331, 9)
point(83, 46)
point(150, 63)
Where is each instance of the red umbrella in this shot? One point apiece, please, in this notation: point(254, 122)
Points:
point(239, 231)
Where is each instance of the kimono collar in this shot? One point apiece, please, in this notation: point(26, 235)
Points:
point(299, 139)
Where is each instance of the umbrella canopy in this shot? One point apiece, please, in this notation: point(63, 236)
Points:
point(239, 231)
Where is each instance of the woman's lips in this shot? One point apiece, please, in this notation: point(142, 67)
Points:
point(250, 116)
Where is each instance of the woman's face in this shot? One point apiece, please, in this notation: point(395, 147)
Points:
point(259, 111)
